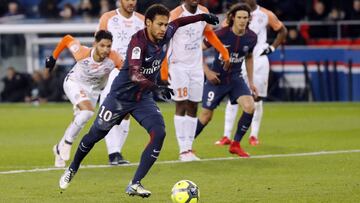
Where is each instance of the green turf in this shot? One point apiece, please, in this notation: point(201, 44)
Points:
point(27, 134)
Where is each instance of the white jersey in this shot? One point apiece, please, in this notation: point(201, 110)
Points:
point(89, 72)
point(261, 18)
point(185, 46)
point(121, 28)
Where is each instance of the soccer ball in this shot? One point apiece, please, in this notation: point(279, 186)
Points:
point(185, 191)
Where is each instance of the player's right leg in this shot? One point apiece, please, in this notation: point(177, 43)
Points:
point(84, 103)
point(107, 117)
point(230, 116)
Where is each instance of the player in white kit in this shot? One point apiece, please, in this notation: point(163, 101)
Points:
point(185, 59)
point(83, 83)
point(122, 23)
point(261, 18)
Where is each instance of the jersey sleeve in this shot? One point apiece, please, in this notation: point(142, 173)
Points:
point(76, 49)
point(216, 43)
point(104, 19)
point(117, 59)
point(179, 22)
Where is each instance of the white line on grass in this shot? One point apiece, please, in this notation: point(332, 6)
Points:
point(202, 160)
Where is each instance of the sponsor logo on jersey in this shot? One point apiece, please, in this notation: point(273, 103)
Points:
point(156, 64)
point(136, 53)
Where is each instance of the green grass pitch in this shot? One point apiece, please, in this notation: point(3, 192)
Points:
point(27, 134)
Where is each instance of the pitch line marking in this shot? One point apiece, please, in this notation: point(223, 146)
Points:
point(201, 160)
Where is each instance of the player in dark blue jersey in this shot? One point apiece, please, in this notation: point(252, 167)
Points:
point(131, 92)
point(240, 41)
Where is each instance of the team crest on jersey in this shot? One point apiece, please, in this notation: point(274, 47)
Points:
point(74, 48)
point(136, 52)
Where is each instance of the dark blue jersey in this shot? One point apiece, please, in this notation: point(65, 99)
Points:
point(238, 46)
point(138, 76)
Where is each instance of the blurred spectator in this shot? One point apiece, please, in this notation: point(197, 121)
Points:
point(354, 13)
point(68, 12)
point(16, 86)
point(105, 6)
point(13, 9)
point(294, 38)
point(214, 6)
point(318, 14)
point(48, 9)
point(86, 9)
point(335, 14)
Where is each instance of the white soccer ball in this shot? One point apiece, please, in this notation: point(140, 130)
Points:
point(185, 191)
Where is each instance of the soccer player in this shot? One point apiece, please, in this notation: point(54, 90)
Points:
point(131, 92)
point(122, 23)
point(261, 18)
point(83, 83)
point(240, 41)
point(185, 59)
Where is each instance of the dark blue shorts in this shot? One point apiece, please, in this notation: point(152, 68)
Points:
point(113, 110)
point(214, 94)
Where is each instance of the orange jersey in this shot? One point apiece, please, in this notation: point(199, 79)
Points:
point(86, 70)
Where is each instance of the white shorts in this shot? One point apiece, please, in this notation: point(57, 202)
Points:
point(187, 84)
point(260, 75)
point(76, 92)
point(107, 88)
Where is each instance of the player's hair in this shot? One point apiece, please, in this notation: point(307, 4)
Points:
point(103, 34)
point(156, 9)
point(235, 8)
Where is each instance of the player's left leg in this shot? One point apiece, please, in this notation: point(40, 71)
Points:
point(261, 75)
point(196, 87)
point(256, 122)
point(230, 116)
point(116, 137)
point(149, 116)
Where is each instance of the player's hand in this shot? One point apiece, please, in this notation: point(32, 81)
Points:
point(226, 65)
point(211, 18)
point(254, 90)
point(212, 77)
point(50, 62)
point(164, 92)
point(270, 49)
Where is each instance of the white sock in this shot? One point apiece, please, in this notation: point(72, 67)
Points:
point(230, 116)
point(73, 130)
point(190, 126)
point(179, 131)
point(112, 139)
point(124, 125)
point(256, 121)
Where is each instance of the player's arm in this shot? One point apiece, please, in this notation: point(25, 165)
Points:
point(211, 76)
point(117, 59)
point(66, 42)
point(179, 22)
point(278, 27)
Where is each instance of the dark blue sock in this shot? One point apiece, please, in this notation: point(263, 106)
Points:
point(151, 152)
point(243, 125)
point(86, 144)
point(199, 128)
